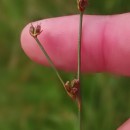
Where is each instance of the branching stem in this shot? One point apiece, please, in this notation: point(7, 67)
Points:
point(49, 60)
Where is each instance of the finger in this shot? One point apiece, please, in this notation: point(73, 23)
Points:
point(105, 43)
point(125, 126)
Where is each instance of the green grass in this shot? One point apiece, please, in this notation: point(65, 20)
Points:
point(29, 101)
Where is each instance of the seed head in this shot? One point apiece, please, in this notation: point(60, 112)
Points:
point(35, 31)
point(72, 88)
point(82, 4)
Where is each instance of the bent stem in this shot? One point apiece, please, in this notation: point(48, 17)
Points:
point(49, 60)
point(79, 100)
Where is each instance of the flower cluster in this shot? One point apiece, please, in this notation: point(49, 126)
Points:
point(82, 5)
point(35, 31)
point(72, 88)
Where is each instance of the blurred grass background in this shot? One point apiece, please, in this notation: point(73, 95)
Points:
point(31, 97)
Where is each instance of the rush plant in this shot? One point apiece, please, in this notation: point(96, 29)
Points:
point(73, 88)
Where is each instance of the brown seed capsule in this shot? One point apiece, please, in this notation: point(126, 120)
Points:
point(72, 88)
point(38, 29)
point(35, 31)
point(82, 4)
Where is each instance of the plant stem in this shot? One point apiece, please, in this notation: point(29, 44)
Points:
point(79, 45)
point(49, 60)
point(79, 71)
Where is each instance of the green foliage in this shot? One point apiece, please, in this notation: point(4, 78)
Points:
point(29, 101)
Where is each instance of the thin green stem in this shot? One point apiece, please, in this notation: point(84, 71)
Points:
point(49, 60)
point(79, 45)
point(79, 70)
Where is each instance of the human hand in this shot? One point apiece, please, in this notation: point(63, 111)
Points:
point(105, 44)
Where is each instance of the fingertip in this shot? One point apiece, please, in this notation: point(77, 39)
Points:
point(125, 126)
point(30, 46)
point(54, 39)
point(25, 41)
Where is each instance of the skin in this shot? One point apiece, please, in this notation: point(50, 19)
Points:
point(105, 44)
point(125, 126)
